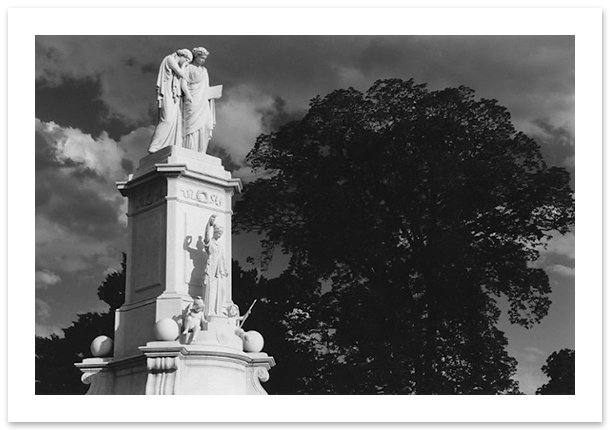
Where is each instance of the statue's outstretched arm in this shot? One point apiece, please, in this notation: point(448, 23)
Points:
point(209, 229)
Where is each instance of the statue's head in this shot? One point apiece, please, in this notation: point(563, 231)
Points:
point(198, 302)
point(184, 55)
point(233, 310)
point(199, 55)
point(218, 231)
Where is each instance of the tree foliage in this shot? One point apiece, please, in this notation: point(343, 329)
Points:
point(55, 356)
point(112, 290)
point(417, 209)
point(560, 369)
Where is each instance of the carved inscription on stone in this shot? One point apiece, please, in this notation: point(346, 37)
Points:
point(201, 196)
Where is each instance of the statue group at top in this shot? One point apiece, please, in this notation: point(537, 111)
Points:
point(186, 102)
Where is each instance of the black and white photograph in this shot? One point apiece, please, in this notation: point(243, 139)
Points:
point(350, 214)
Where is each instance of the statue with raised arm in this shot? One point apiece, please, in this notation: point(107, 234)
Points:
point(199, 109)
point(216, 269)
point(170, 90)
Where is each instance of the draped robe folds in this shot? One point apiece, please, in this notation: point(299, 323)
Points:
point(169, 128)
point(214, 279)
point(199, 115)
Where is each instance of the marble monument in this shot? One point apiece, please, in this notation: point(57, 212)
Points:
point(179, 331)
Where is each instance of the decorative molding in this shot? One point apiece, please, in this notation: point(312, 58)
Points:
point(201, 196)
point(100, 381)
point(161, 375)
point(258, 374)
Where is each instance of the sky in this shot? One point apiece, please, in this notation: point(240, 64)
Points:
point(95, 113)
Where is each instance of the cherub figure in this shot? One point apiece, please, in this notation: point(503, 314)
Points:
point(194, 318)
point(235, 319)
point(233, 314)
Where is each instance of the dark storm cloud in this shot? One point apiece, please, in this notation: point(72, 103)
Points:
point(533, 76)
point(227, 160)
point(75, 182)
point(46, 158)
point(556, 146)
point(77, 208)
point(279, 115)
point(127, 166)
point(296, 68)
point(43, 194)
point(76, 102)
point(44, 151)
point(502, 64)
point(47, 60)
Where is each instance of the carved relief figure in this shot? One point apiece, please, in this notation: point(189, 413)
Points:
point(199, 109)
point(194, 318)
point(171, 83)
point(216, 269)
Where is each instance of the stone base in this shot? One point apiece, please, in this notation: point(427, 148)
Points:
point(212, 363)
point(176, 155)
point(171, 368)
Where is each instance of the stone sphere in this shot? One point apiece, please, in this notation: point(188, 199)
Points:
point(102, 346)
point(253, 341)
point(166, 329)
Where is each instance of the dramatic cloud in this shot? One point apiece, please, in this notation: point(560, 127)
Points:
point(95, 110)
point(77, 103)
point(322, 63)
point(562, 270)
point(45, 278)
point(562, 245)
point(43, 310)
point(78, 209)
point(240, 120)
point(245, 113)
point(60, 249)
point(134, 146)
point(556, 144)
point(113, 69)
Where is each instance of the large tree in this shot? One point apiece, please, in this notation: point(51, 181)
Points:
point(417, 209)
point(560, 367)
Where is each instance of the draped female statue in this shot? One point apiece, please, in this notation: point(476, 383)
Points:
point(216, 273)
point(169, 93)
point(199, 109)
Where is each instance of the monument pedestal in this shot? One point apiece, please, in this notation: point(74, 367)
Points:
point(204, 369)
point(171, 198)
point(172, 368)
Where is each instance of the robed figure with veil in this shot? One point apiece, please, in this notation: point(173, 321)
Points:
point(170, 91)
